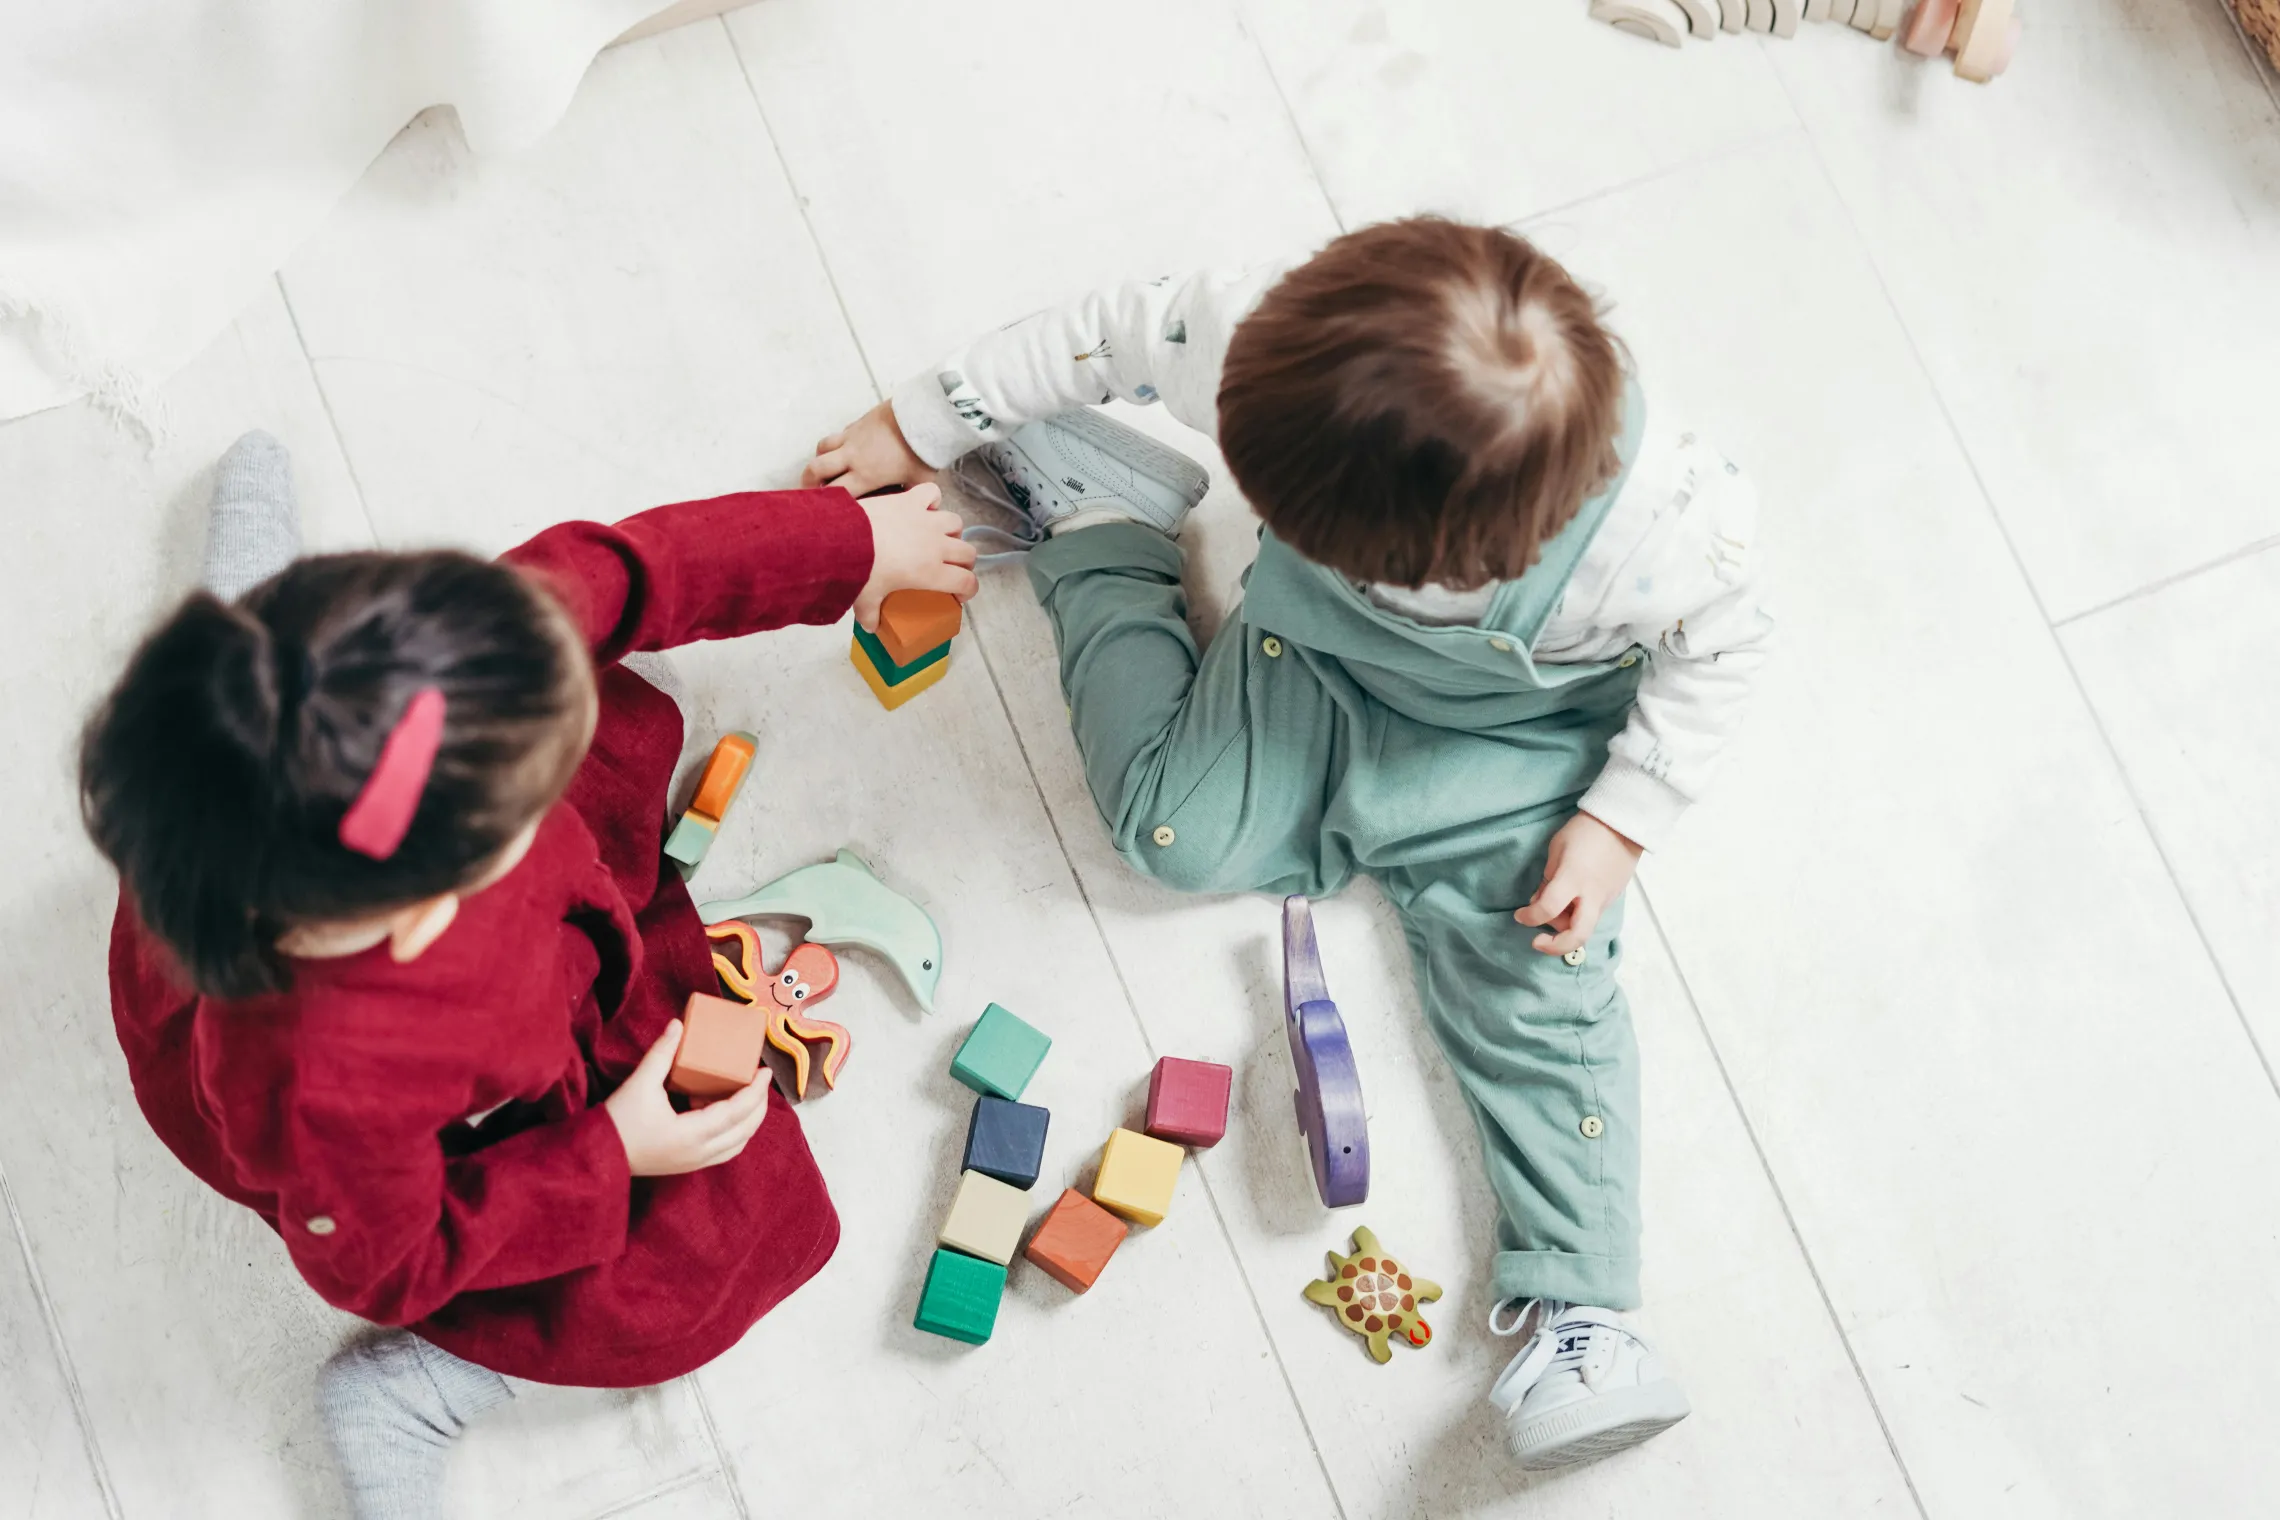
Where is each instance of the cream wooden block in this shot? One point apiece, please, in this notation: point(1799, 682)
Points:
point(1658, 20)
point(1982, 39)
point(1889, 14)
point(1816, 10)
point(1840, 11)
point(1864, 15)
point(1701, 17)
point(986, 1218)
point(1733, 15)
point(1786, 15)
point(1759, 16)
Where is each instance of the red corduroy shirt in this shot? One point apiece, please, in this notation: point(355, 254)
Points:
point(342, 1111)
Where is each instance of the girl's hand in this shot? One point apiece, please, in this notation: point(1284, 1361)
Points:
point(661, 1143)
point(1587, 867)
point(868, 454)
point(914, 547)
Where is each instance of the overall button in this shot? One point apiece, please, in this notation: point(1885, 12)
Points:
point(1591, 1127)
point(1630, 658)
point(1272, 648)
point(321, 1224)
point(1501, 646)
point(1574, 957)
point(1163, 834)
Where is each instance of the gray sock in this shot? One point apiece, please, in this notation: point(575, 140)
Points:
point(254, 529)
point(392, 1405)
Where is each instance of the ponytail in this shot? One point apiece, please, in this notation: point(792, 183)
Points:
point(215, 774)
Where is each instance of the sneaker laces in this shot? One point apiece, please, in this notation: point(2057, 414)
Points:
point(977, 481)
point(1567, 1338)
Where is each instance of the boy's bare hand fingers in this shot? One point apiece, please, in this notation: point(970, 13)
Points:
point(831, 441)
point(963, 586)
point(950, 523)
point(961, 553)
point(824, 468)
point(744, 1106)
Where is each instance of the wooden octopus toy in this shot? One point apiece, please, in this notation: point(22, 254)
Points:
point(807, 977)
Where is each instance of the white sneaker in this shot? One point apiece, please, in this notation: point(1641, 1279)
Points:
point(1083, 467)
point(1584, 1387)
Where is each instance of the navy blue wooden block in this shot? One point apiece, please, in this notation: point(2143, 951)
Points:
point(1006, 1140)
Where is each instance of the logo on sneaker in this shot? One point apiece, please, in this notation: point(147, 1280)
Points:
point(1076, 485)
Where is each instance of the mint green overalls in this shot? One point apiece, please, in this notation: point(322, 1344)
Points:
point(1322, 736)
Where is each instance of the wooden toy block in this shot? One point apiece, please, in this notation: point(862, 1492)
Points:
point(1656, 20)
point(1137, 1175)
point(1006, 1141)
point(1758, 17)
point(1187, 1101)
point(1375, 1296)
point(724, 776)
point(1786, 15)
point(1701, 18)
point(889, 671)
point(913, 622)
point(1888, 16)
point(845, 903)
point(1000, 1054)
point(1986, 34)
point(1817, 10)
point(1864, 15)
point(1733, 15)
point(720, 1047)
point(1076, 1240)
point(960, 1299)
point(1929, 27)
point(690, 838)
point(986, 1218)
point(1329, 1099)
point(892, 697)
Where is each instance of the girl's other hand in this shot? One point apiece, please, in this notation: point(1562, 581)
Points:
point(661, 1143)
point(914, 547)
point(1587, 867)
point(869, 454)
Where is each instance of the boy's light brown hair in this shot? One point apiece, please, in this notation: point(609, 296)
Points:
point(1422, 402)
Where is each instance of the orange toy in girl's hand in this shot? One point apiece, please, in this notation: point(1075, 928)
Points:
point(809, 975)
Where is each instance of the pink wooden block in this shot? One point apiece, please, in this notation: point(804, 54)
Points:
point(1187, 1101)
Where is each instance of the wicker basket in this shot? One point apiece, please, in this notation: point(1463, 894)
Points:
point(2261, 20)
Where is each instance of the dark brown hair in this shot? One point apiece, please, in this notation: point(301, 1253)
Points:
point(215, 774)
point(1422, 401)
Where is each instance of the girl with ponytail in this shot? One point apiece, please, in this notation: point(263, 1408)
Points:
point(397, 954)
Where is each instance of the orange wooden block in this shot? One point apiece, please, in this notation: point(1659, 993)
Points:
point(720, 1047)
point(724, 773)
point(1076, 1240)
point(912, 622)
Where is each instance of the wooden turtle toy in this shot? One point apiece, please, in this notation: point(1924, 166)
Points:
point(1375, 1297)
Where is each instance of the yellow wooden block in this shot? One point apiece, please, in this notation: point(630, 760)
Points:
point(986, 1218)
point(892, 697)
point(1137, 1175)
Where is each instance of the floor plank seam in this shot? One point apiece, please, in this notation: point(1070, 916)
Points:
point(1781, 1201)
point(719, 1449)
point(324, 399)
point(1752, 144)
point(99, 1469)
point(689, 1479)
point(2155, 587)
point(799, 203)
point(1297, 131)
point(1132, 1006)
point(2042, 610)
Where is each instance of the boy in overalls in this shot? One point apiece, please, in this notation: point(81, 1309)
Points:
point(1495, 637)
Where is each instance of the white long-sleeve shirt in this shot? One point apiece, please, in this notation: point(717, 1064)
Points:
point(1673, 566)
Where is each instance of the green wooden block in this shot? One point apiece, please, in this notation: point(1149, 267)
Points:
point(690, 838)
point(884, 663)
point(1000, 1055)
point(961, 1297)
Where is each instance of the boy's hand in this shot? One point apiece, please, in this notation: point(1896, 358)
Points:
point(914, 547)
point(868, 455)
point(661, 1143)
point(1587, 868)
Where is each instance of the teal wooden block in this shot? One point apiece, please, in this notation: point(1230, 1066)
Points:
point(1000, 1055)
point(961, 1297)
point(884, 663)
point(690, 838)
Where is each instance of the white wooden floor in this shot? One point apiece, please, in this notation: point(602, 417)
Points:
point(1958, 1002)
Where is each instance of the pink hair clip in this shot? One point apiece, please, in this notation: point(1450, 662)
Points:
point(376, 822)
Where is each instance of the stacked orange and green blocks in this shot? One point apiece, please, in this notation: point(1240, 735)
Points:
point(911, 650)
point(716, 789)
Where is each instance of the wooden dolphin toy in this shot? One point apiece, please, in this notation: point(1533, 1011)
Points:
point(846, 904)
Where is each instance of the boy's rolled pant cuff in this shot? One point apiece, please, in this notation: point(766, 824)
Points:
point(1107, 546)
point(1604, 1282)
